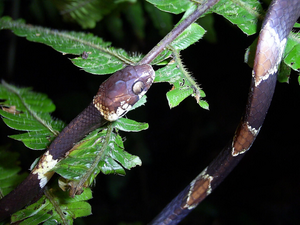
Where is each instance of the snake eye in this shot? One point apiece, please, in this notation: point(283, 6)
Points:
point(138, 87)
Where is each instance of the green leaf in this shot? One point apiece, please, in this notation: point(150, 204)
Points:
point(130, 125)
point(176, 96)
point(284, 73)
point(188, 37)
point(183, 85)
point(81, 158)
point(292, 51)
point(101, 58)
point(162, 21)
point(25, 110)
point(112, 159)
point(85, 13)
point(161, 58)
point(44, 210)
point(116, 151)
point(172, 6)
point(244, 14)
point(9, 169)
point(204, 104)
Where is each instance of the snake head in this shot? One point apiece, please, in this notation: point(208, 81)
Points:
point(122, 90)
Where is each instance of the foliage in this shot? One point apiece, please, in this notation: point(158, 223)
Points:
point(55, 207)
point(9, 170)
point(24, 110)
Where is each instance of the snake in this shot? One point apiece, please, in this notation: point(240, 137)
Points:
point(125, 87)
point(277, 24)
point(115, 97)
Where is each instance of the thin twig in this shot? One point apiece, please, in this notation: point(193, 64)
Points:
point(56, 206)
point(177, 31)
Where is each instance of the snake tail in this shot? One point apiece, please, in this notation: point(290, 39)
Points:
point(279, 21)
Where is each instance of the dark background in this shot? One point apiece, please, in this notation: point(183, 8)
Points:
point(179, 144)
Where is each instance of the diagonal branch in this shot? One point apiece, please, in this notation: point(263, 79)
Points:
point(177, 31)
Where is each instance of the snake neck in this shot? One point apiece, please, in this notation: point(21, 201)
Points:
point(88, 120)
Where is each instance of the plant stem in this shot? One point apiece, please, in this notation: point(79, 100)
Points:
point(95, 163)
point(56, 205)
point(177, 31)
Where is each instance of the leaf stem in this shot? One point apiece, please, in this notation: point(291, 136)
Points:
point(96, 161)
point(32, 112)
point(187, 75)
point(177, 31)
point(107, 50)
point(55, 205)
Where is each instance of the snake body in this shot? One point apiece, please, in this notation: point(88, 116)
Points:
point(279, 21)
point(127, 86)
